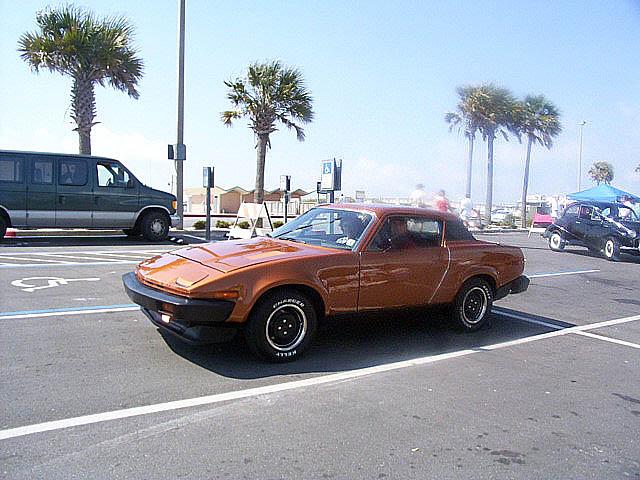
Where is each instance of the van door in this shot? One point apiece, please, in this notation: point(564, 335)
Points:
point(41, 199)
point(74, 192)
point(13, 189)
point(116, 195)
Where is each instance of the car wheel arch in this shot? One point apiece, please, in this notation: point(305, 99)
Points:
point(483, 276)
point(316, 298)
point(5, 216)
point(149, 209)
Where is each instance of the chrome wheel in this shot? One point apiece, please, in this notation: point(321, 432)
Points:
point(474, 305)
point(286, 327)
point(556, 243)
point(157, 226)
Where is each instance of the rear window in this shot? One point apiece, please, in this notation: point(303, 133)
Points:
point(457, 231)
point(11, 170)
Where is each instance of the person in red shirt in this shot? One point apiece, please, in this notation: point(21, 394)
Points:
point(440, 202)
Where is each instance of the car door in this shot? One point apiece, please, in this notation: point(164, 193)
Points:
point(74, 192)
point(41, 198)
point(580, 227)
point(403, 264)
point(116, 195)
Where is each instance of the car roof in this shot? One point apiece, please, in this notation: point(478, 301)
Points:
point(381, 209)
point(596, 203)
point(54, 154)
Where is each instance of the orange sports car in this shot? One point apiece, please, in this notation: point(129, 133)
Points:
point(332, 260)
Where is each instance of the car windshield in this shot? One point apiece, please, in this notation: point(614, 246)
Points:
point(326, 227)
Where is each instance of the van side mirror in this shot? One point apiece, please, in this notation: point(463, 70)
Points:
point(130, 183)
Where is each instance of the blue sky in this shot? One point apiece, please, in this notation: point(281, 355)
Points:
point(382, 74)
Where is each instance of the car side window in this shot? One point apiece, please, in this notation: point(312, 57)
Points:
point(404, 233)
point(571, 211)
point(72, 172)
point(112, 175)
point(457, 231)
point(11, 170)
point(42, 173)
point(585, 212)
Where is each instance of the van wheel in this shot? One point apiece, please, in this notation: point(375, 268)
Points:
point(155, 226)
point(472, 305)
point(281, 326)
point(131, 232)
point(556, 242)
point(611, 249)
point(3, 227)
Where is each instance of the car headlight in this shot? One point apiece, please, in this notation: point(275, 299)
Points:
point(632, 233)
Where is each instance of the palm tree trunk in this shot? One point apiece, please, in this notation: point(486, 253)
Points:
point(261, 152)
point(469, 166)
point(83, 111)
point(489, 200)
point(525, 184)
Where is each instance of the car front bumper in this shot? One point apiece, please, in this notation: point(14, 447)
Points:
point(195, 321)
point(175, 220)
point(518, 285)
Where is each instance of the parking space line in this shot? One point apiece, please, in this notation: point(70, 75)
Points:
point(608, 339)
point(286, 386)
point(37, 259)
point(67, 264)
point(56, 312)
point(558, 274)
point(61, 255)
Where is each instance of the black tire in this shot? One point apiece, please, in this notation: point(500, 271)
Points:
point(556, 241)
point(611, 249)
point(131, 232)
point(281, 326)
point(155, 226)
point(472, 305)
point(3, 227)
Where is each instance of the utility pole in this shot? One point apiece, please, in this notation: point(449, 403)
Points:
point(181, 154)
point(581, 125)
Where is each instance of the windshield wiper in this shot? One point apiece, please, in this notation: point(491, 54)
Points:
point(292, 239)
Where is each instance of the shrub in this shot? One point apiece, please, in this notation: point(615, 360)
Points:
point(199, 224)
point(277, 224)
point(244, 224)
point(222, 224)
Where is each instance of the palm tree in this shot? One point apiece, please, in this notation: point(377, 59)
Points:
point(492, 113)
point(74, 42)
point(601, 172)
point(271, 93)
point(463, 118)
point(539, 120)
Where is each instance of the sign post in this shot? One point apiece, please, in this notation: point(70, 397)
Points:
point(285, 185)
point(331, 178)
point(207, 183)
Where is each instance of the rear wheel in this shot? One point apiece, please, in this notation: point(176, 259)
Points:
point(281, 326)
point(556, 242)
point(611, 249)
point(472, 305)
point(155, 226)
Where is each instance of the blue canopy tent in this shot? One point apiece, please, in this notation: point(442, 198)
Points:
point(602, 193)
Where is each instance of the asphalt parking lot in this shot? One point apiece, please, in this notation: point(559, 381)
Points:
point(90, 389)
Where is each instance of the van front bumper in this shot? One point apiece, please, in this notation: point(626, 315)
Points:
point(175, 220)
point(193, 320)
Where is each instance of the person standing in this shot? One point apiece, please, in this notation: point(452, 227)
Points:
point(418, 197)
point(440, 202)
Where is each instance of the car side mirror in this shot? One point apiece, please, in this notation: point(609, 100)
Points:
point(130, 183)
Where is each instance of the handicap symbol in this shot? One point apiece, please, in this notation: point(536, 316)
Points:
point(27, 286)
point(327, 167)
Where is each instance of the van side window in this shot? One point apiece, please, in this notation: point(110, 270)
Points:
point(11, 170)
point(112, 175)
point(457, 231)
point(42, 172)
point(72, 172)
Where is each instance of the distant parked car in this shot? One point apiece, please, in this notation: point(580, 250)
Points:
point(610, 228)
point(334, 259)
point(49, 190)
point(500, 215)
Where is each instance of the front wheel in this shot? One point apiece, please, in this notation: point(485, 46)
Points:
point(611, 249)
point(155, 226)
point(281, 326)
point(472, 305)
point(556, 242)
point(3, 227)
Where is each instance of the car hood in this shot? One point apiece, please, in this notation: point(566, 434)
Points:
point(230, 255)
point(635, 226)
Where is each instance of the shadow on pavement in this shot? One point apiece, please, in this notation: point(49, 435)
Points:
point(350, 343)
point(95, 241)
point(624, 257)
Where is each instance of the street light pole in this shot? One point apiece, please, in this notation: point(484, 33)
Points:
point(581, 125)
point(181, 157)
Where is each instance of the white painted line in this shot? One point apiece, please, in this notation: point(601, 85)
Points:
point(558, 274)
point(193, 236)
point(124, 255)
point(60, 262)
point(68, 312)
point(269, 389)
point(608, 339)
point(67, 264)
point(55, 255)
point(91, 252)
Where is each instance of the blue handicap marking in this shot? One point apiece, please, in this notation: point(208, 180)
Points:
point(326, 167)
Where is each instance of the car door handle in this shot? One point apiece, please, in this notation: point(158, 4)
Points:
point(61, 199)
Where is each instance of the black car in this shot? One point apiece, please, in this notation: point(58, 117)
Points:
point(609, 228)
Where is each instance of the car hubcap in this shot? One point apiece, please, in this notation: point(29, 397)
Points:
point(474, 305)
point(286, 327)
point(157, 226)
point(608, 248)
point(555, 240)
